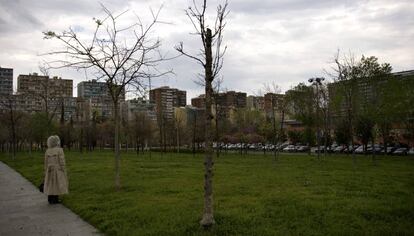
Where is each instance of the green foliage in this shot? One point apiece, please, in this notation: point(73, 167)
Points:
point(369, 67)
point(295, 136)
point(309, 136)
point(162, 195)
point(41, 128)
point(301, 100)
point(365, 96)
point(342, 133)
point(363, 129)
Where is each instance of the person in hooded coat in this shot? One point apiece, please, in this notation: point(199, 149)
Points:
point(56, 180)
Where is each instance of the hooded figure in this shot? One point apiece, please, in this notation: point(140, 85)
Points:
point(56, 181)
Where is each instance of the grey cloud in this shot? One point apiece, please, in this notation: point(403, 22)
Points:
point(14, 18)
point(282, 41)
point(22, 15)
point(287, 6)
point(399, 19)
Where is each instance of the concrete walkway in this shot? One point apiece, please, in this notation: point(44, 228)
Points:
point(25, 211)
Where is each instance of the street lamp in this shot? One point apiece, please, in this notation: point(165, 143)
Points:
point(317, 82)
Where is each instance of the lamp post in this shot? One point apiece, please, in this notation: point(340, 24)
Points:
point(317, 82)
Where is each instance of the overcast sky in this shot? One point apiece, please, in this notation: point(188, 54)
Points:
point(286, 41)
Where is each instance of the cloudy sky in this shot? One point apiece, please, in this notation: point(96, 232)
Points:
point(281, 41)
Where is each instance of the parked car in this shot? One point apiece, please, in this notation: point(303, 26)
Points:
point(302, 148)
point(339, 149)
point(351, 149)
point(411, 151)
point(400, 151)
point(252, 146)
point(332, 147)
point(289, 148)
point(270, 147)
point(315, 149)
point(389, 150)
point(282, 145)
point(359, 150)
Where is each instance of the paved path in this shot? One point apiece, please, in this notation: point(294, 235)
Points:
point(25, 211)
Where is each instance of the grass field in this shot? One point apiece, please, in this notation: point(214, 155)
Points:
point(254, 195)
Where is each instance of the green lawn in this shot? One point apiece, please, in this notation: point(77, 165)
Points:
point(254, 195)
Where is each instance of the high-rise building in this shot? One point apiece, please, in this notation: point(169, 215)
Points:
point(255, 103)
point(365, 90)
point(274, 100)
point(230, 99)
point(37, 93)
point(93, 88)
point(138, 106)
point(199, 102)
point(6, 80)
point(223, 103)
point(34, 84)
point(165, 99)
point(96, 98)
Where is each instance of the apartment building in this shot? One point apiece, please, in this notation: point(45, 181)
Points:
point(6, 81)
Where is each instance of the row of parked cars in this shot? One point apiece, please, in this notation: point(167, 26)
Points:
point(286, 147)
point(378, 149)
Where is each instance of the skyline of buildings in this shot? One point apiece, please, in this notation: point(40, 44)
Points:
point(84, 89)
point(37, 93)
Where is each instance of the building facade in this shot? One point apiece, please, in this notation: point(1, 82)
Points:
point(165, 99)
point(35, 84)
point(94, 88)
point(273, 100)
point(138, 106)
point(36, 93)
point(255, 103)
point(230, 99)
point(199, 102)
point(361, 92)
point(97, 98)
point(6, 81)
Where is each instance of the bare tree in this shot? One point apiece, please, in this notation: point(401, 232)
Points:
point(211, 59)
point(124, 57)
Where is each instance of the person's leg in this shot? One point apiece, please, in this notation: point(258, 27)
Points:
point(53, 199)
point(50, 199)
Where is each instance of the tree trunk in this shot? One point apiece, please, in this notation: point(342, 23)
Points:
point(194, 132)
point(274, 130)
point(117, 154)
point(178, 140)
point(13, 127)
point(208, 218)
point(216, 118)
point(373, 151)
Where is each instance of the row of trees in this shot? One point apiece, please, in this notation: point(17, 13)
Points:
point(363, 108)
